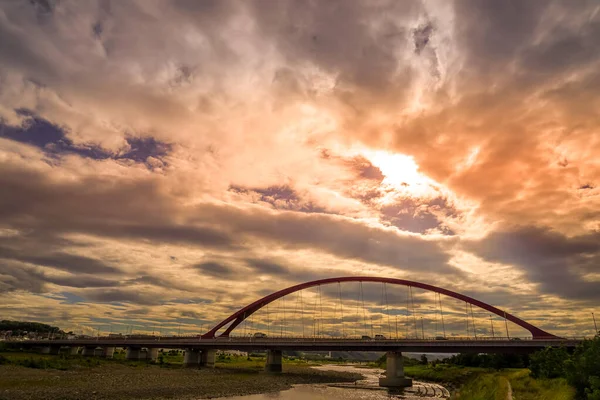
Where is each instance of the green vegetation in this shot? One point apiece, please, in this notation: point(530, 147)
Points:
point(494, 361)
point(443, 373)
point(581, 369)
point(18, 327)
point(490, 386)
point(525, 387)
point(475, 383)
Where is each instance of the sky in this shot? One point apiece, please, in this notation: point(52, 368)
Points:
point(164, 163)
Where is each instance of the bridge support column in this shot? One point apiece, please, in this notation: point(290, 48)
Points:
point(394, 371)
point(73, 350)
point(152, 354)
point(108, 352)
point(274, 358)
point(54, 350)
point(207, 358)
point(133, 353)
point(88, 351)
point(191, 358)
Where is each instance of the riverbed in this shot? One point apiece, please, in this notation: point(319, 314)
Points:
point(365, 389)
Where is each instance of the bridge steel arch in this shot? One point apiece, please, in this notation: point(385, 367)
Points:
point(238, 317)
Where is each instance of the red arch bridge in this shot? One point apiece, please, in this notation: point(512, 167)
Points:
point(200, 350)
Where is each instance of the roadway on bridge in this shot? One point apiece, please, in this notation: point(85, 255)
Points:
point(487, 345)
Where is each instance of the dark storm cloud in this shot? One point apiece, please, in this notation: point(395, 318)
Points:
point(494, 32)
point(556, 262)
point(163, 280)
point(216, 270)
point(14, 277)
point(268, 267)
point(339, 236)
point(122, 295)
point(81, 281)
point(98, 206)
point(334, 37)
point(61, 261)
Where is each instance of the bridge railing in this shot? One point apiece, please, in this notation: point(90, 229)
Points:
point(270, 338)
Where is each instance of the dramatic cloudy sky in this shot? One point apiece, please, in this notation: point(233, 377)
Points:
point(167, 162)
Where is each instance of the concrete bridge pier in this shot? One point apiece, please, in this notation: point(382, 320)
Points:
point(54, 350)
point(89, 351)
point(133, 353)
point(207, 358)
point(394, 372)
point(108, 352)
point(274, 358)
point(152, 354)
point(73, 350)
point(191, 358)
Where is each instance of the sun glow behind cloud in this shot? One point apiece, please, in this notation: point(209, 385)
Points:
point(401, 173)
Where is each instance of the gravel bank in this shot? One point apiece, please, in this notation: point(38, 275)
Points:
point(151, 382)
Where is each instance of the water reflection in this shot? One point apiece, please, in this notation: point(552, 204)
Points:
point(365, 389)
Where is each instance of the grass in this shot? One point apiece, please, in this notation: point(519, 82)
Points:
point(526, 388)
point(442, 373)
point(484, 384)
point(65, 362)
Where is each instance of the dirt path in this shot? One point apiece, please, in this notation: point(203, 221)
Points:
point(509, 392)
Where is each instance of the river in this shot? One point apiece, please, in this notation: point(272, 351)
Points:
point(365, 389)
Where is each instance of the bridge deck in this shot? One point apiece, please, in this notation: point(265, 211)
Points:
point(308, 344)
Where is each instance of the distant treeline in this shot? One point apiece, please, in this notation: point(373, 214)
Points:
point(495, 361)
point(18, 327)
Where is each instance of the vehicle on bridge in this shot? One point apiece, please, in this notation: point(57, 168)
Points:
point(380, 337)
point(260, 335)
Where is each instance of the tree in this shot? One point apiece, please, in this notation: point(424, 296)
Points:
point(424, 359)
point(583, 369)
point(549, 362)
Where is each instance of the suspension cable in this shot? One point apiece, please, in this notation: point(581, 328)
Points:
point(382, 309)
point(341, 307)
point(302, 312)
point(315, 323)
point(442, 313)
point(412, 299)
point(357, 312)
point(406, 320)
point(387, 310)
point(436, 312)
point(467, 314)
point(321, 313)
point(473, 319)
point(282, 321)
point(362, 295)
point(268, 321)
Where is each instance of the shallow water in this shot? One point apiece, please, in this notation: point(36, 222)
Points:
point(365, 389)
